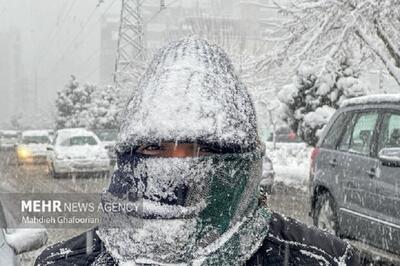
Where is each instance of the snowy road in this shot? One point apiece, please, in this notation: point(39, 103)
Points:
point(290, 201)
point(34, 178)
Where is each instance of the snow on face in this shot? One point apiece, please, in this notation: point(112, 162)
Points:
point(201, 197)
point(171, 236)
point(190, 92)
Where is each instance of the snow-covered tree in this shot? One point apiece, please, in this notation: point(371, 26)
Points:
point(105, 108)
point(15, 121)
point(311, 99)
point(73, 104)
point(317, 30)
point(88, 106)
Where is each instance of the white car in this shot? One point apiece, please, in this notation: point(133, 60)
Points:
point(77, 150)
point(32, 147)
point(8, 139)
point(108, 137)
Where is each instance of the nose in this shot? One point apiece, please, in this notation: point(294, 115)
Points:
point(181, 152)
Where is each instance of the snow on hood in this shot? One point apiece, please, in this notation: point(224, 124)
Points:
point(35, 133)
point(190, 92)
point(377, 98)
point(64, 134)
point(82, 151)
point(8, 132)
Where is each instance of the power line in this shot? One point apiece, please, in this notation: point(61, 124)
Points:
point(131, 9)
point(97, 51)
point(57, 29)
point(130, 47)
point(70, 45)
point(61, 58)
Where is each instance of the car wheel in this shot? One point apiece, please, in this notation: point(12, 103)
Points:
point(325, 216)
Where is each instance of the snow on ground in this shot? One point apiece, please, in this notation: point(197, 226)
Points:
point(291, 162)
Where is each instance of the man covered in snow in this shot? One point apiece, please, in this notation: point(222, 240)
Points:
point(190, 160)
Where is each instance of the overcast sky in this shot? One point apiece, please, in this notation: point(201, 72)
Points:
point(56, 34)
point(58, 38)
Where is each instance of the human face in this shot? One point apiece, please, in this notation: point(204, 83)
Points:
point(178, 150)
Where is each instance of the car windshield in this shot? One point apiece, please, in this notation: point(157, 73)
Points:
point(9, 136)
point(79, 141)
point(35, 140)
point(109, 135)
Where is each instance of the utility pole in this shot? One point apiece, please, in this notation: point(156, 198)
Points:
point(130, 51)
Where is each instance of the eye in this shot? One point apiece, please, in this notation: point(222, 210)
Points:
point(208, 149)
point(152, 147)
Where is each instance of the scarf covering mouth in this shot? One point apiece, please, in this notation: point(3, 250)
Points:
point(191, 208)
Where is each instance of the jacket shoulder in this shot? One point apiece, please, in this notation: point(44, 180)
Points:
point(79, 250)
point(290, 242)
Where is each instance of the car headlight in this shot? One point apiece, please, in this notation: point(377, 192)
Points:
point(60, 157)
point(23, 153)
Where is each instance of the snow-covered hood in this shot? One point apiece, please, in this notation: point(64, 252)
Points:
point(190, 92)
point(82, 152)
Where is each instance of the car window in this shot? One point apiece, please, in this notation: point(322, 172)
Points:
point(335, 131)
point(109, 135)
point(363, 130)
point(345, 140)
point(79, 141)
point(390, 137)
point(358, 133)
point(35, 140)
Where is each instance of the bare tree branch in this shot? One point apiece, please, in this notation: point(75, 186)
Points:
point(372, 44)
point(394, 52)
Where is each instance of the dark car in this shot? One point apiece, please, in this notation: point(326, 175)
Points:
point(108, 137)
point(8, 139)
point(284, 134)
point(355, 173)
